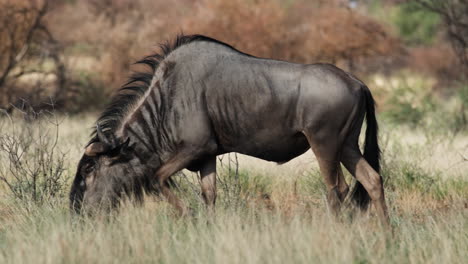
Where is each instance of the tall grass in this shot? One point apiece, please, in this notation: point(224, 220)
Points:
point(254, 235)
point(265, 213)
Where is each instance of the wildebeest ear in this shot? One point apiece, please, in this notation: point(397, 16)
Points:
point(96, 148)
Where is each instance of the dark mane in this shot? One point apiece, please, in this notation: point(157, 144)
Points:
point(139, 83)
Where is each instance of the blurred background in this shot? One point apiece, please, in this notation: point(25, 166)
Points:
point(71, 55)
point(61, 60)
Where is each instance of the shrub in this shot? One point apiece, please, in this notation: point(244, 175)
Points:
point(408, 176)
point(438, 61)
point(459, 122)
point(408, 99)
point(88, 93)
point(237, 186)
point(409, 102)
point(303, 31)
point(416, 25)
point(114, 34)
point(313, 184)
point(454, 14)
point(31, 166)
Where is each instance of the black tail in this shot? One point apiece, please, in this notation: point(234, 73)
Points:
point(371, 150)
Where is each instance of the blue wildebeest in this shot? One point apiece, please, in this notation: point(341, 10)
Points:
point(204, 98)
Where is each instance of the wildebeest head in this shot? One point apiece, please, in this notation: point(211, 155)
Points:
point(107, 170)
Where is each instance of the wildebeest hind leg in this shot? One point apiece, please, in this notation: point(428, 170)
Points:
point(327, 152)
point(368, 177)
point(343, 187)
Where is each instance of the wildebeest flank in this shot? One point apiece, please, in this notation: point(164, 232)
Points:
point(204, 98)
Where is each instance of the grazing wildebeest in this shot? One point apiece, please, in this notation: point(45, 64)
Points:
point(204, 98)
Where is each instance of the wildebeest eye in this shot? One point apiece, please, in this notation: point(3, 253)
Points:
point(88, 169)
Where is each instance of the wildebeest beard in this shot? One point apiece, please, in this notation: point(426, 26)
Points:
point(103, 179)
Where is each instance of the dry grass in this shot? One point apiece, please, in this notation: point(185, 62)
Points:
point(252, 235)
point(279, 214)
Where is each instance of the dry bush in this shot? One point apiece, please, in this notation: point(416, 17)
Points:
point(340, 35)
point(454, 13)
point(438, 61)
point(306, 31)
point(31, 166)
point(255, 27)
point(114, 34)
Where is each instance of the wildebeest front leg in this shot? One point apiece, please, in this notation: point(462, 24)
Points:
point(174, 200)
point(175, 164)
point(208, 182)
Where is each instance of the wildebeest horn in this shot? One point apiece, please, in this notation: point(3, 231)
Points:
point(95, 148)
point(108, 140)
point(101, 135)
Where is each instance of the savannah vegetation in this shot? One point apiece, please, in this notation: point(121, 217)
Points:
point(61, 60)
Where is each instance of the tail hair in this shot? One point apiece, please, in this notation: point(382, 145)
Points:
point(371, 150)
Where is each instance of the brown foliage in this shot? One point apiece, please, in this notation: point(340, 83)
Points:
point(454, 13)
point(115, 39)
point(25, 39)
point(338, 34)
point(306, 32)
point(438, 61)
point(256, 27)
point(114, 34)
